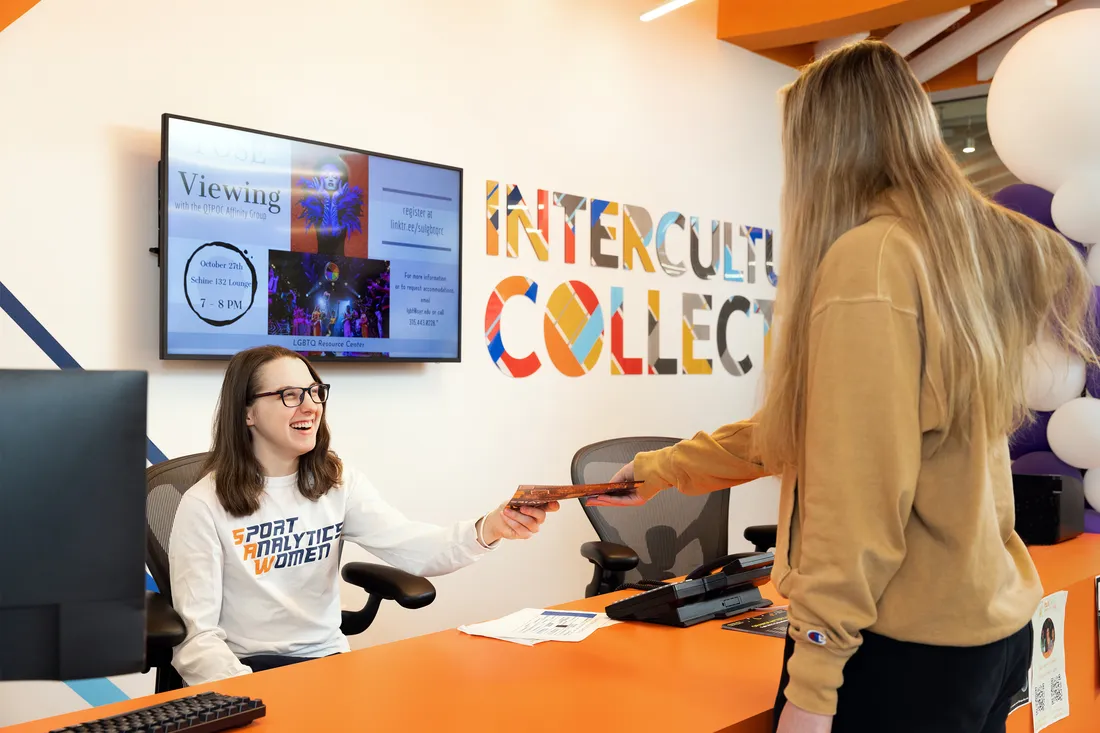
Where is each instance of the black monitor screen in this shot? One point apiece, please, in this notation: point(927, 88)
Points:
point(72, 524)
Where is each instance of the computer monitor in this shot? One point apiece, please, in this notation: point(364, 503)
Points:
point(72, 524)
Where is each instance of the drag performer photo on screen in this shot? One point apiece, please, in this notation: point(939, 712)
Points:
point(330, 206)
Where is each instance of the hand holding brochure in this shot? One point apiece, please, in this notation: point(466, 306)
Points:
point(542, 495)
point(534, 625)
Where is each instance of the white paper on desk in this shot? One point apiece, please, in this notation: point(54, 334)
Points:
point(524, 642)
point(534, 625)
point(1049, 693)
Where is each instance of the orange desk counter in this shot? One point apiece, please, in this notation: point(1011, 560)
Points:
point(1073, 566)
point(629, 677)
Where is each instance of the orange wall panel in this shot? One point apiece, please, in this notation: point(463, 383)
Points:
point(10, 10)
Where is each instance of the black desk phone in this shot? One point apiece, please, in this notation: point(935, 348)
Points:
point(704, 594)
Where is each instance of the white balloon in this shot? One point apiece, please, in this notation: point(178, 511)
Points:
point(1092, 489)
point(1052, 376)
point(1044, 102)
point(1074, 433)
point(1076, 208)
point(1094, 265)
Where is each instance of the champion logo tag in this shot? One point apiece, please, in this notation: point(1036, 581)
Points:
point(816, 637)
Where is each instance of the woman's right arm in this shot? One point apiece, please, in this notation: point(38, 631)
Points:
point(195, 557)
point(704, 463)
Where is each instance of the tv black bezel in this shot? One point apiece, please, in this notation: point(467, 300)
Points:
point(162, 240)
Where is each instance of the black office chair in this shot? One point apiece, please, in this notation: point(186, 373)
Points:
point(665, 538)
point(762, 536)
point(166, 484)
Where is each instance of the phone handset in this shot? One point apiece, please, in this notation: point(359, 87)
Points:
point(739, 561)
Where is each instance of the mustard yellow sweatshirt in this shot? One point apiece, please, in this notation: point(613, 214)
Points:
point(881, 527)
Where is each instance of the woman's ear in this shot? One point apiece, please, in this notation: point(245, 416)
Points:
point(248, 419)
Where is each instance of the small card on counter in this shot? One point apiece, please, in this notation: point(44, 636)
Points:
point(1049, 690)
point(769, 623)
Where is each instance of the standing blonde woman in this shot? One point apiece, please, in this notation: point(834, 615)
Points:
point(905, 304)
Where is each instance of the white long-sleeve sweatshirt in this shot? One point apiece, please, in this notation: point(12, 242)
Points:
point(269, 583)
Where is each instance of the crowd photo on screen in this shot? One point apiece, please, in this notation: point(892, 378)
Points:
point(328, 296)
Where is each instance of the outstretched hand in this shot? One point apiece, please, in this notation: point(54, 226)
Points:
point(626, 473)
point(506, 523)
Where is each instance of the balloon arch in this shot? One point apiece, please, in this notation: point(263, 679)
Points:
point(1044, 121)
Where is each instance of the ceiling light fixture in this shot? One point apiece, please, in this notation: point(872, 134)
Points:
point(969, 147)
point(660, 10)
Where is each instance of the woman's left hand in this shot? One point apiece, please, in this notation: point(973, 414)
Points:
point(515, 524)
point(796, 720)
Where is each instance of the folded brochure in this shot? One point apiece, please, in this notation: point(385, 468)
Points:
point(542, 495)
point(769, 623)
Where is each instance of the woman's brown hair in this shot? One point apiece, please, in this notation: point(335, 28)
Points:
point(238, 476)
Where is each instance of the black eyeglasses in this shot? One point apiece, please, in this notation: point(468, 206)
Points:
point(294, 396)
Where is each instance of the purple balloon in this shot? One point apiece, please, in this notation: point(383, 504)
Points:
point(1030, 438)
point(1034, 203)
point(1092, 521)
point(1043, 463)
point(1031, 201)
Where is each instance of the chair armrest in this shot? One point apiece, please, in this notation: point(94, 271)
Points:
point(164, 629)
point(391, 584)
point(610, 556)
point(762, 536)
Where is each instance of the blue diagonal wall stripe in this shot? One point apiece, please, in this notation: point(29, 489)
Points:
point(94, 691)
point(35, 330)
point(99, 691)
point(44, 340)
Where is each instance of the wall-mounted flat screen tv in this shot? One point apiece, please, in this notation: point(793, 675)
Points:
point(336, 253)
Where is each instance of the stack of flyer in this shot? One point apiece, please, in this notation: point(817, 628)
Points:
point(535, 625)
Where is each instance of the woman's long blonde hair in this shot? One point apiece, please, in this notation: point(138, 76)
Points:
point(857, 124)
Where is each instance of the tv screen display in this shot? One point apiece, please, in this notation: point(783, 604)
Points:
point(336, 253)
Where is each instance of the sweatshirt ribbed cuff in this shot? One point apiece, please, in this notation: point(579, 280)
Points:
point(655, 469)
point(816, 674)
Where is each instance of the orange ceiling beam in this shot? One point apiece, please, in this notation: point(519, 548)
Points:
point(795, 56)
point(11, 10)
point(758, 25)
point(963, 74)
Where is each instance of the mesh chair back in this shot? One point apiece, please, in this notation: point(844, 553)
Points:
point(165, 485)
point(672, 533)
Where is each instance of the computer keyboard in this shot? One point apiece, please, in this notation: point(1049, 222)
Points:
point(203, 713)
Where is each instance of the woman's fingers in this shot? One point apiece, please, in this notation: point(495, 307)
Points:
point(518, 523)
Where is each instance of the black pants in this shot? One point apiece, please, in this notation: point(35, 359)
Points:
point(903, 687)
point(262, 662)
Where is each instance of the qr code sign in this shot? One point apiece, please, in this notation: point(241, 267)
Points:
point(1040, 701)
point(1057, 689)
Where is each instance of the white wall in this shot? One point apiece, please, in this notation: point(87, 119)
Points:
point(568, 95)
